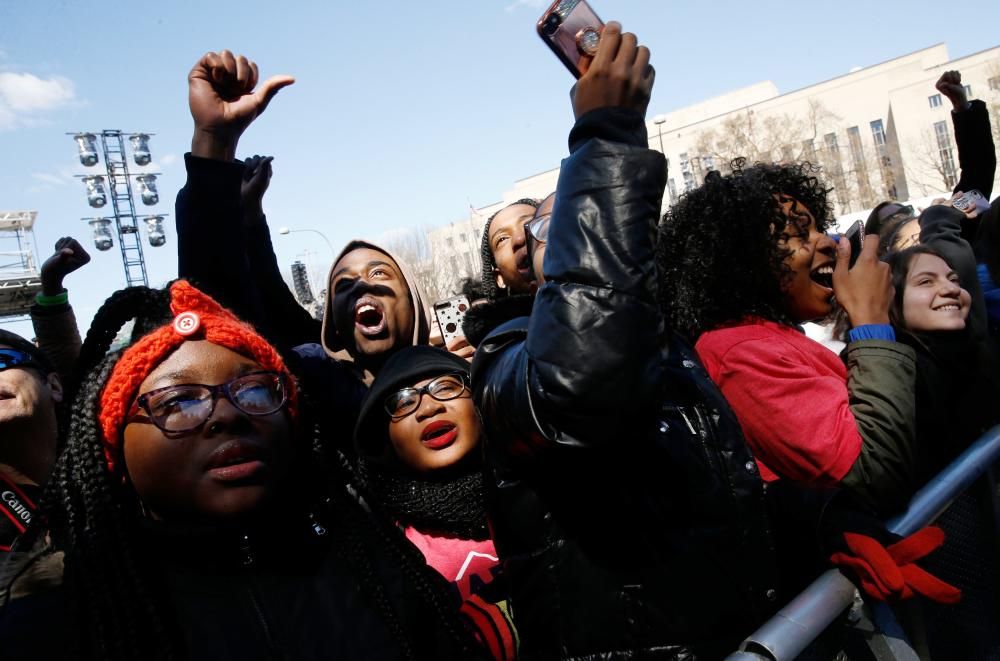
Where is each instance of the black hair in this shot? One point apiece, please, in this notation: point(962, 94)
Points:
point(472, 289)
point(901, 261)
point(718, 253)
point(117, 600)
point(889, 233)
point(486, 251)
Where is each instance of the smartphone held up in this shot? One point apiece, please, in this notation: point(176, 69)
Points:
point(573, 31)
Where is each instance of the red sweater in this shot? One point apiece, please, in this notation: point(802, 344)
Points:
point(790, 396)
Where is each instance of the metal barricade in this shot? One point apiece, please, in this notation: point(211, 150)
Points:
point(786, 635)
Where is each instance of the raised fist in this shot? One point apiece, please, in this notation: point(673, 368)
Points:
point(619, 76)
point(69, 256)
point(224, 101)
point(950, 84)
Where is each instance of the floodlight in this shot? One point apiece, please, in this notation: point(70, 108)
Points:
point(95, 191)
point(154, 231)
point(140, 148)
point(88, 151)
point(147, 187)
point(101, 229)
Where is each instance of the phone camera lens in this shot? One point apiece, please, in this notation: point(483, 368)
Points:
point(451, 327)
point(552, 24)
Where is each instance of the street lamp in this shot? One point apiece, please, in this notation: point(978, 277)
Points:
point(285, 230)
point(659, 120)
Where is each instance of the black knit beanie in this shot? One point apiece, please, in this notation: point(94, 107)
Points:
point(403, 369)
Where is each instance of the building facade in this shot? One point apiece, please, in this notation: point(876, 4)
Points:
point(877, 133)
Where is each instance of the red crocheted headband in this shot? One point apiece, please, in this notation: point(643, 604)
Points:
point(198, 317)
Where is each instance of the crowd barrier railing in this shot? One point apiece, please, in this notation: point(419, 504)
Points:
point(797, 625)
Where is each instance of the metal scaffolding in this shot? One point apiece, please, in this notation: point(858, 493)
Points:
point(19, 276)
point(123, 204)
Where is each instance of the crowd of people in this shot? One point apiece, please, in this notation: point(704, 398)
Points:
point(632, 451)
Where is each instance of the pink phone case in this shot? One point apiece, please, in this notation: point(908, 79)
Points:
point(575, 30)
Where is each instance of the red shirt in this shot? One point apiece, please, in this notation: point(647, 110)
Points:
point(790, 396)
point(467, 563)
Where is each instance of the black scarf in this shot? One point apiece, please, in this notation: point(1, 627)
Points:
point(454, 505)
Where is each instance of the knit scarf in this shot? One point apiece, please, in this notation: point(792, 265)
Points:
point(455, 505)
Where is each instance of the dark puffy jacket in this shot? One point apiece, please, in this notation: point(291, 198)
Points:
point(286, 590)
point(625, 505)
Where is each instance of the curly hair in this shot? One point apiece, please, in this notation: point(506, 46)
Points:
point(719, 252)
point(117, 599)
point(486, 251)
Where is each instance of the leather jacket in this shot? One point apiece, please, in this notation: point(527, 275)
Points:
point(625, 505)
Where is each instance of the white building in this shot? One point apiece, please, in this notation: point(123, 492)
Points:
point(879, 132)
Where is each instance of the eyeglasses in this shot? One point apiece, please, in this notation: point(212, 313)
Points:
point(405, 401)
point(538, 228)
point(185, 407)
point(895, 211)
point(13, 358)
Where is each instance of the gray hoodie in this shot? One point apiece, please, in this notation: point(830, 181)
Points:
point(332, 343)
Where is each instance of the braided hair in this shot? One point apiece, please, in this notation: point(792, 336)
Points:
point(117, 600)
point(486, 251)
point(718, 255)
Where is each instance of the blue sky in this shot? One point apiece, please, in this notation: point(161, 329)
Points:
point(403, 112)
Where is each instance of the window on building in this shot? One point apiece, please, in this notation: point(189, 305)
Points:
point(934, 100)
point(878, 133)
point(968, 91)
point(833, 162)
point(831, 143)
point(945, 153)
point(672, 188)
point(995, 83)
point(860, 167)
point(688, 181)
point(451, 243)
point(708, 162)
point(809, 151)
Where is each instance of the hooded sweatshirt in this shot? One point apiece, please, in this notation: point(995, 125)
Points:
point(334, 346)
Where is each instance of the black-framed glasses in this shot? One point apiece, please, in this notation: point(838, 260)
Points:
point(405, 401)
point(13, 358)
point(185, 407)
point(538, 228)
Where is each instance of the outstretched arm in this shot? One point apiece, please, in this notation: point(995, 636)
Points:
point(212, 246)
point(973, 136)
point(590, 357)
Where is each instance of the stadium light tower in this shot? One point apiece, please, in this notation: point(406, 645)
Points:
point(119, 190)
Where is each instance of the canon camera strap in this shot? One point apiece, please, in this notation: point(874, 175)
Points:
point(17, 509)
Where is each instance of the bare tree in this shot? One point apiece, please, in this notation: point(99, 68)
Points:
point(933, 167)
point(849, 165)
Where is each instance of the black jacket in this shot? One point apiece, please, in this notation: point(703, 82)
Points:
point(625, 505)
point(234, 262)
point(287, 589)
point(958, 373)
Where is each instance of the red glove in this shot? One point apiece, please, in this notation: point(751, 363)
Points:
point(889, 573)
